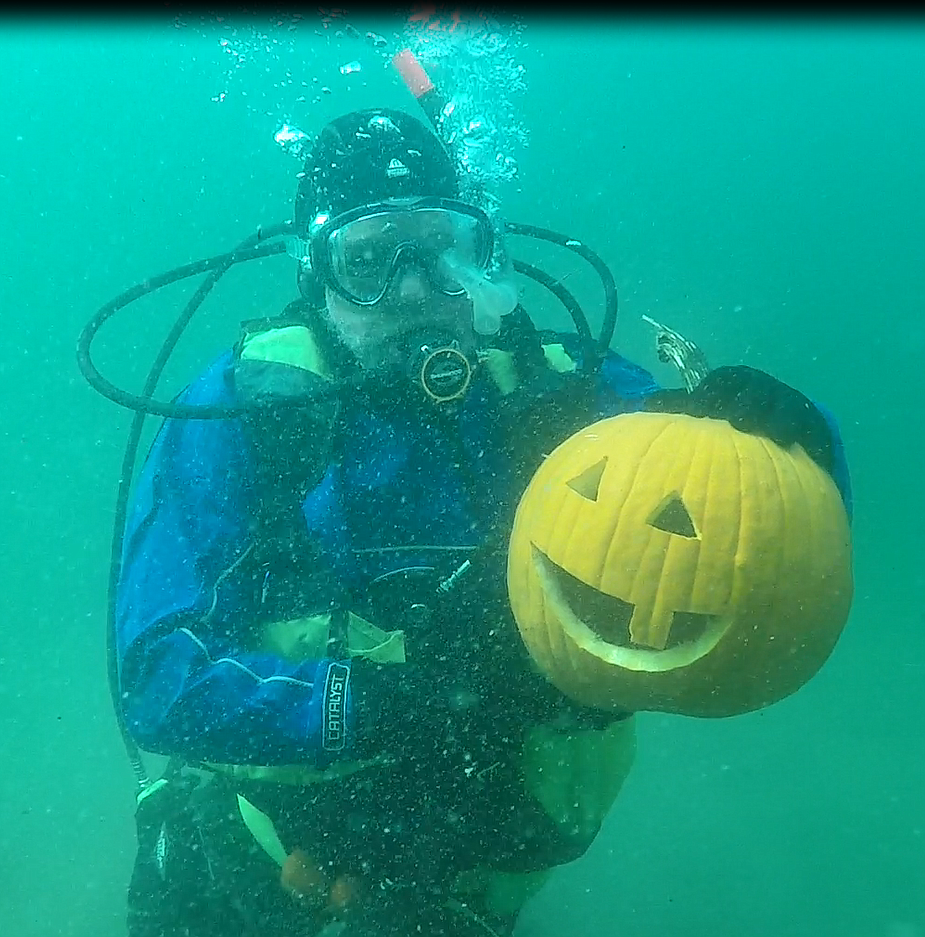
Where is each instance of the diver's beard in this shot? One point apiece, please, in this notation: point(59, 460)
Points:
point(392, 356)
point(394, 346)
point(402, 354)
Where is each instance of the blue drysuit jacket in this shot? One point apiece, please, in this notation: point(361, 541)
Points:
point(189, 686)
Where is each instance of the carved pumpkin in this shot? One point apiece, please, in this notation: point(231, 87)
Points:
point(663, 562)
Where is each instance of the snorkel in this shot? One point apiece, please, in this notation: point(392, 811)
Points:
point(491, 299)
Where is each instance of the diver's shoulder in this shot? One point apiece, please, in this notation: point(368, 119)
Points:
point(214, 384)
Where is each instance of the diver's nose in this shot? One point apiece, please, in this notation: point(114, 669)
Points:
point(413, 286)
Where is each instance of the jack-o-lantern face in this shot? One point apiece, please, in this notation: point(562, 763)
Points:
point(670, 563)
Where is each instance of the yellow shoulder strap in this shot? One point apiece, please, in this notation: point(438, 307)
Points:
point(558, 358)
point(294, 345)
point(502, 367)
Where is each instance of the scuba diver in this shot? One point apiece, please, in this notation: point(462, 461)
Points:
point(311, 620)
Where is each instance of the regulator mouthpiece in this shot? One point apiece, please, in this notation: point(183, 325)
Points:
point(490, 300)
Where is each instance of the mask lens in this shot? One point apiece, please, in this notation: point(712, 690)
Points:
point(365, 254)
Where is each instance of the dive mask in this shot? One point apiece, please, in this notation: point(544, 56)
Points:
point(359, 253)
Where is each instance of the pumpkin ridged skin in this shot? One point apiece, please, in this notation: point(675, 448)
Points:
point(767, 562)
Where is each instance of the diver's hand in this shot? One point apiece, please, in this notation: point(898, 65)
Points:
point(753, 401)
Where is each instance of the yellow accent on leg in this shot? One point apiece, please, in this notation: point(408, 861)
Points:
point(576, 776)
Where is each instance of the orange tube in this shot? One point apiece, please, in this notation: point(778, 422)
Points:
point(412, 73)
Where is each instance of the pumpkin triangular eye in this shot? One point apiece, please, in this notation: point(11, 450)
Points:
point(588, 483)
point(673, 518)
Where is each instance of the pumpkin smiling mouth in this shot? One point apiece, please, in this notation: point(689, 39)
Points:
point(600, 623)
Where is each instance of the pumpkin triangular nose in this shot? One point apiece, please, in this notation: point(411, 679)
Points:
point(673, 518)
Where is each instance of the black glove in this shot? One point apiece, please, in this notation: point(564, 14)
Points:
point(753, 401)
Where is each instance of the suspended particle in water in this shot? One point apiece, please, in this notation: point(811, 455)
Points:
point(350, 68)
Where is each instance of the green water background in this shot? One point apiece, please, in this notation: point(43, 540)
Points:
point(759, 186)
